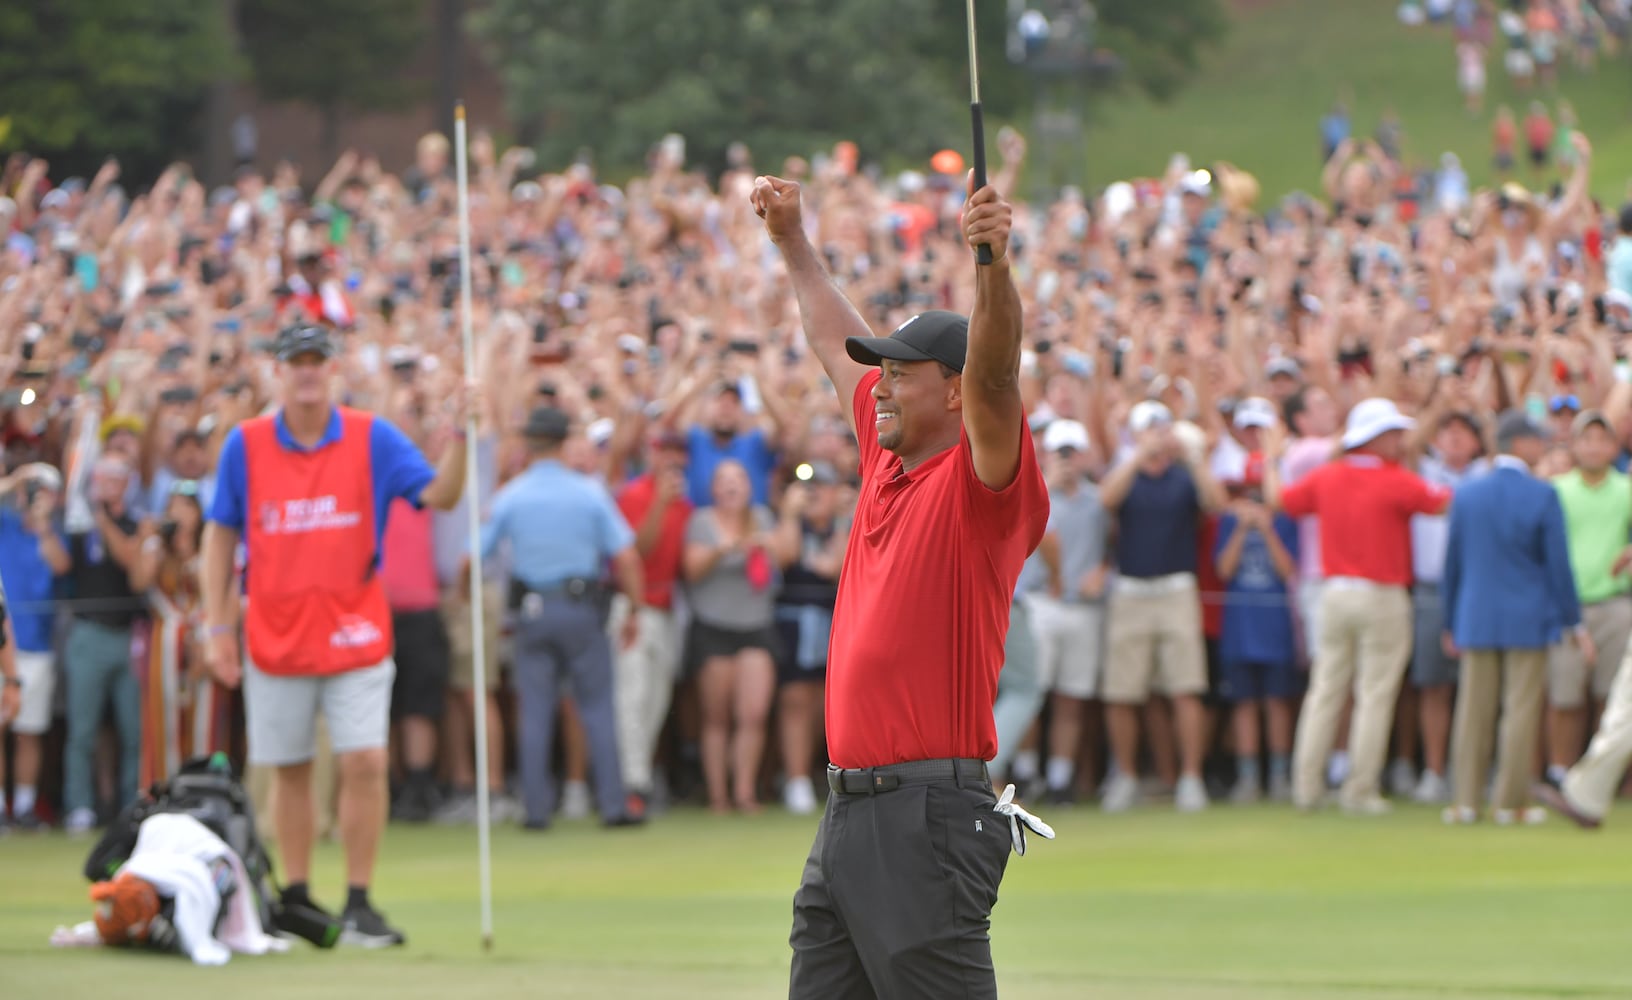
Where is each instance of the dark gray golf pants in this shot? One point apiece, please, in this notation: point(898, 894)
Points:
point(897, 894)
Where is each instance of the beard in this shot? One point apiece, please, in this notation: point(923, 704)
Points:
point(890, 440)
point(724, 432)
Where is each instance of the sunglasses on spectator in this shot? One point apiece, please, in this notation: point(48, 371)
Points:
point(1559, 403)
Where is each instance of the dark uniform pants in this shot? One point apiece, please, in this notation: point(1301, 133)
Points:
point(563, 641)
point(897, 894)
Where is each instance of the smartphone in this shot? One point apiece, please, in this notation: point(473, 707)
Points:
point(179, 395)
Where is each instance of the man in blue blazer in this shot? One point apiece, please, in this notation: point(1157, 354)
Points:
point(1508, 595)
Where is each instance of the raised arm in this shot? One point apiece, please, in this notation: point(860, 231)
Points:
point(992, 409)
point(829, 318)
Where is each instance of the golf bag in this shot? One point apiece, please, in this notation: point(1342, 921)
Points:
point(206, 789)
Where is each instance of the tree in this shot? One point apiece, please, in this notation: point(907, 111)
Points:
point(1160, 43)
point(785, 76)
point(333, 54)
point(85, 79)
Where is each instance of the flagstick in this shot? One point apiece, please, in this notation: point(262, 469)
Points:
point(484, 831)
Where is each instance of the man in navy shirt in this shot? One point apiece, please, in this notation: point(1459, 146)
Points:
point(1155, 637)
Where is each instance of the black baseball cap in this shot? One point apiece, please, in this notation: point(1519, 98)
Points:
point(297, 340)
point(936, 335)
point(548, 423)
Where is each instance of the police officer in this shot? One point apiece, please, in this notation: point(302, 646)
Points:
point(562, 528)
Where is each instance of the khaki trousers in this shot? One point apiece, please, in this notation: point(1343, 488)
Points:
point(1364, 646)
point(1518, 676)
point(1593, 781)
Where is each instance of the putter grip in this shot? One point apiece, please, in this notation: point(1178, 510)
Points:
point(983, 253)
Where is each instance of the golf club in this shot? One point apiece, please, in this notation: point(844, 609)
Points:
point(983, 253)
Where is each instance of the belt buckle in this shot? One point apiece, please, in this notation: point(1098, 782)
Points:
point(576, 588)
point(877, 782)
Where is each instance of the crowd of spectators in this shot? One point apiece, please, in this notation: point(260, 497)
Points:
point(1170, 322)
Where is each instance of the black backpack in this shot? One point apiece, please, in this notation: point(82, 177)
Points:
point(206, 789)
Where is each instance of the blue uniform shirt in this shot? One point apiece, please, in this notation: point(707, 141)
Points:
point(400, 470)
point(561, 525)
point(28, 582)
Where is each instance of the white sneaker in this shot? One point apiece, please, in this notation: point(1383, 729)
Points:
point(1190, 795)
point(799, 797)
point(575, 801)
point(1280, 788)
point(1374, 805)
point(80, 821)
point(1121, 791)
point(1245, 792)
point(1402, 778)
point(1431, 789)
point(1459, 816)
point(1529, 816)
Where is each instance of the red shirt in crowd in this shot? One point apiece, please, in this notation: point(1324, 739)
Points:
point(923, 605)
point(1365, 507)
point(661, 566)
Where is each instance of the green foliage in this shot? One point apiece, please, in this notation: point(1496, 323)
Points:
point(1160, 43)
point(83, 79)
point(333, 55)
point(786, 76)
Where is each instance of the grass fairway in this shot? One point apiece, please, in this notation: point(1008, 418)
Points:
point(1261, 92)
point(1230, 905)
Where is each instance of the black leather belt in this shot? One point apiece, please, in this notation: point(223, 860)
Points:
point(575, 589)
point(873, 780)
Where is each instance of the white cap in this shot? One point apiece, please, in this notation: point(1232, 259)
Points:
point(1254, 411)
point(1197, 182)
point(1148, 414)
point(600, 431)
point(1617, 297)
point(1372, 418)
point(1065, 434)
point(1284, 366)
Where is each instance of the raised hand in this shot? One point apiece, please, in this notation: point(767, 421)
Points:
point(777, 202)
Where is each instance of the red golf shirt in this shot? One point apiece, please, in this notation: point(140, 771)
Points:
point(661, 566)
point(1365, 507)
point(923, 605)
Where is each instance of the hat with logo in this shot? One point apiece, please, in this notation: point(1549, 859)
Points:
point(936, 335)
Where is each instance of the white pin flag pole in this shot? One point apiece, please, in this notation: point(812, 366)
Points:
point(484, 832)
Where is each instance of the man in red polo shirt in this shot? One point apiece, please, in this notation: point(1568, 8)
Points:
point(655, 505)
point(1365, 501)
point(897, 892)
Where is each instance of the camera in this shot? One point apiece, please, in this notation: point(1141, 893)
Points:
point(167, 530)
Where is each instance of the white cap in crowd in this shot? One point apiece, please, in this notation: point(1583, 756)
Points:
point(1372, 418)
point(1148, 414)
point(1254, 411)
point(1062, 434)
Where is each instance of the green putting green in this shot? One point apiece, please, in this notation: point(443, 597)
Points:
point(1228, 905)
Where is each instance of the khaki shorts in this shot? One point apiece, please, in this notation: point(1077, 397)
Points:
point(281, 712)
point(1154, 643)
point(456, 619)
point(1070, 645)
point(1610, 625)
